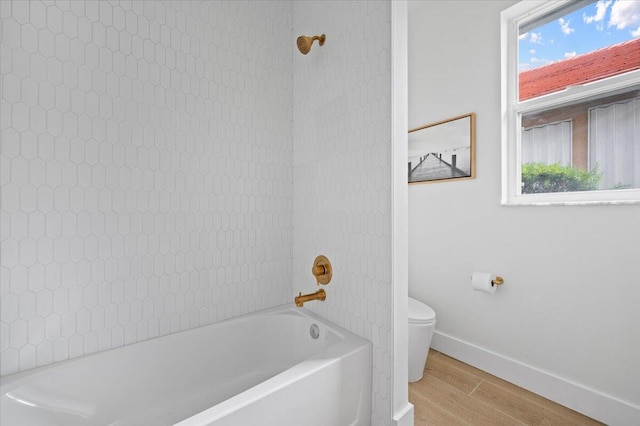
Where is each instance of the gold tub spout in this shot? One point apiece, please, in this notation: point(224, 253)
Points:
point(302, 298)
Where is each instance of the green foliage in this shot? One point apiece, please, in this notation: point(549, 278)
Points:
point(540, 177)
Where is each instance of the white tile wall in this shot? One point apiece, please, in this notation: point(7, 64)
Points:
point(342, 173)
point(145, 170)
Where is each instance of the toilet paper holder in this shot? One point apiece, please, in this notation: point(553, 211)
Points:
point(486, 282)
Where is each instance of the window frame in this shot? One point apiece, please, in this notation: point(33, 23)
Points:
point(512, 110)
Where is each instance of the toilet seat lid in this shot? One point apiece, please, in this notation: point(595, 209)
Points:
point(419, 313)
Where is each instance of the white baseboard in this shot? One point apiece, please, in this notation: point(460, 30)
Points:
point(589, 402)
point(404, 417)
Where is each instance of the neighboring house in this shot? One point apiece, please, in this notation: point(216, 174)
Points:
point(602, 133)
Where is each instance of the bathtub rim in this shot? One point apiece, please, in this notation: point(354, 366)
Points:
point(7, 381)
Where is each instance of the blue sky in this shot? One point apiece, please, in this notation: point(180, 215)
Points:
point(597, 25)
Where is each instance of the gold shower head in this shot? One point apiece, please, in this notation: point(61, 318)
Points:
point(305, 42)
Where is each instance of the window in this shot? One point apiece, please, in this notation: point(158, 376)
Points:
point(571, 102)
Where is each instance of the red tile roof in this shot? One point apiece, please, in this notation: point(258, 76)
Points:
point(596, 65)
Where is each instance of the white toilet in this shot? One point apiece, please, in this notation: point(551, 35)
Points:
point(422, 321)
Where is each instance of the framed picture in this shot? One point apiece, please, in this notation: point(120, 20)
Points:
point(445, 150)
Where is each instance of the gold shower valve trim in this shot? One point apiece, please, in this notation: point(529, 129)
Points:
point(322, 270)
point(305, 42)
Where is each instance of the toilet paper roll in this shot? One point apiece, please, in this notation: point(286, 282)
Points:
point(481, 281)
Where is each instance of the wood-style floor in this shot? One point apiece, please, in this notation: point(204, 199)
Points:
point(454, 393)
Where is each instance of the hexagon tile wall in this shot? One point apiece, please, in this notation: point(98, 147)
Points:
point(145, 170)
point(342, 173)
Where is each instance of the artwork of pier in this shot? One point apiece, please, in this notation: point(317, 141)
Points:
point(433, 167)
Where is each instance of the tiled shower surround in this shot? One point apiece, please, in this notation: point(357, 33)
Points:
point(163, 164)
point(146, 170)
point(342, 172)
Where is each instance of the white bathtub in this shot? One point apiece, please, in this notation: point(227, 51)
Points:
point(259, 369)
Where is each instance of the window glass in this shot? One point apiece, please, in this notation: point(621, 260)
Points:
point(578, 43)
point(571, 96)
point(547, 143)
point(614, 150)
point(583, 146)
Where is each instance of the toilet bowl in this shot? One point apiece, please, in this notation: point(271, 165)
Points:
point(422, 321)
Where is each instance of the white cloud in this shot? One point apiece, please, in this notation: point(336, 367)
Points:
point(532, 51)
point(568, 55)
point(636, 33)
point(524, 66)
point(535, 38)
point(601, 11)
point(564, 26)
point(540, 61)
point(625, 14)
point(533, 63)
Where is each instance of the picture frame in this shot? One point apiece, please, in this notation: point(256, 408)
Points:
point(443, 151)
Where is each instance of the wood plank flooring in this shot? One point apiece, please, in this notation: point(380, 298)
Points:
point(454, 393)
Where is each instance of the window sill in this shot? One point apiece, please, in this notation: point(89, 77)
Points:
point(616, 197)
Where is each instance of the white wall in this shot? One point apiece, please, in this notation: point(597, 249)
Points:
point(145, 170)
point(342, 173)
point(570, 305)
